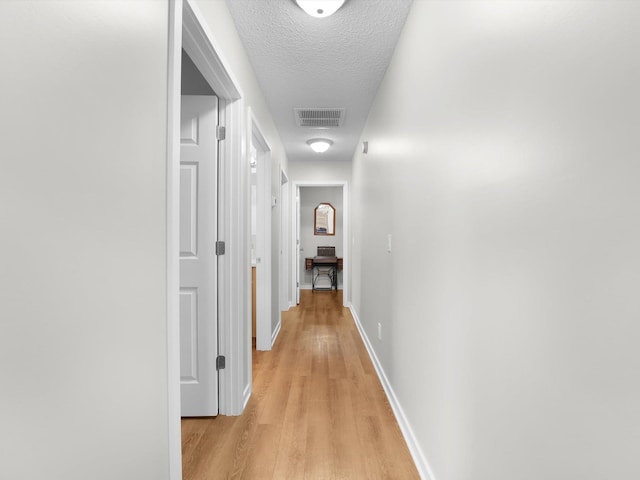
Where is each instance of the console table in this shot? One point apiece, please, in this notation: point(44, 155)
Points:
point(324, 266)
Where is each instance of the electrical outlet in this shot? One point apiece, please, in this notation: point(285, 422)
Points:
point(379, 331)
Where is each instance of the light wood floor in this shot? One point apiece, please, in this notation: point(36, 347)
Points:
point(318, 410)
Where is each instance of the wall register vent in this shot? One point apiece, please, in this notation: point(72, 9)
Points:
point(319, 117)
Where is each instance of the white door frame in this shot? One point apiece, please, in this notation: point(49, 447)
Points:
point(263, 234)
point(285, 224)
point(188, 30)
point(173, 240)
point(346, 245)
point(296, 242)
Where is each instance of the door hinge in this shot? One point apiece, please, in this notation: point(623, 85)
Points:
point(221, 362)
point(220, 247)
point(221, 132)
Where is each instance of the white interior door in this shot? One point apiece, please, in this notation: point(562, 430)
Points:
point(198, 262)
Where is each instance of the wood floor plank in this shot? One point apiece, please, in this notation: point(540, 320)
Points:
point(260, 458)
point(293, 442)
point(318, 410)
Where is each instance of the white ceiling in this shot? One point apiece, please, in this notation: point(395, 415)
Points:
point(334, 62)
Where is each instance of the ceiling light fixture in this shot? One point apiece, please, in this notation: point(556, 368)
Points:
point(320, 8)
point(319, 145)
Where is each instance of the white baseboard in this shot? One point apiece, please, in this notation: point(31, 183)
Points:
point(246, 396)
point(275, 333)
point(416, 452)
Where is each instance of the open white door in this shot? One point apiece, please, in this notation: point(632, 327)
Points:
point(198, 262)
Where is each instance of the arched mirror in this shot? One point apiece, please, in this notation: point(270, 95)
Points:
point(324, 221)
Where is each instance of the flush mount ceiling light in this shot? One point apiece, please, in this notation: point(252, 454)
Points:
point(319, 145)
point(320, 8)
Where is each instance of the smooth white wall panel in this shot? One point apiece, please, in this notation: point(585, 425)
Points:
point(503, 159)
point(82, 207)
point(319, 170)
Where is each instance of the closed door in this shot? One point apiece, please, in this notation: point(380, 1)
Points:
point(198, 262)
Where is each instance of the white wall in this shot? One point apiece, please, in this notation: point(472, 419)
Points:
point(320, 171)
point(310, 198)
point(504, 161)
point(83, 342)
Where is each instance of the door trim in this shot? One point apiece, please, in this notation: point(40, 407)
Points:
point(346, 245)
point(173, 241)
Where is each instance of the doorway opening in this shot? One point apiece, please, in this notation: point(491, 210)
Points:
point(266, 324)
point(187, 31)
point(307, 197)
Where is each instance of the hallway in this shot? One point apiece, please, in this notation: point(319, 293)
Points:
point(317, 410)
point(490, 160)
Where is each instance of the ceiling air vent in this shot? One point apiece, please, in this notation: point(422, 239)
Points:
point(319, 117)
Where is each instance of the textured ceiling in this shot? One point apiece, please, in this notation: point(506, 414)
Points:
point(301, 61)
